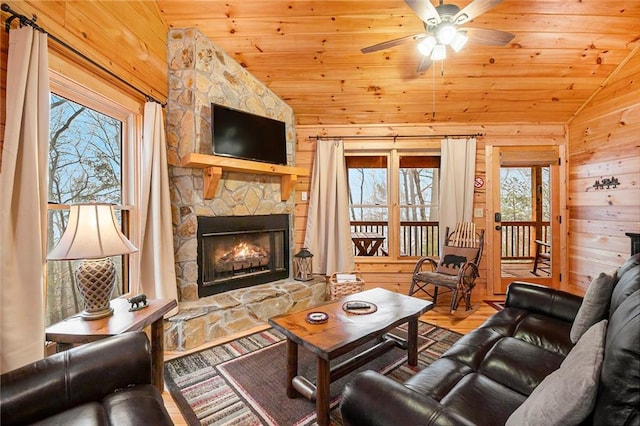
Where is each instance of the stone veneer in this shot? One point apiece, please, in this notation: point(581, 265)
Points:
point(227, 313)
point(200, 74)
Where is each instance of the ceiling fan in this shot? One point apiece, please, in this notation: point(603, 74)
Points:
point(442, 26)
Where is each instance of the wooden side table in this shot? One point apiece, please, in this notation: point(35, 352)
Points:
point(74, 330)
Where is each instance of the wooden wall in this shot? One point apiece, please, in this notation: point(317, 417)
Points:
point(604, 141)
point(396, 276)
point(129, 38)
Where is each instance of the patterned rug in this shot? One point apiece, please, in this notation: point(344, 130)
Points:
point(498, 305)
point(243, 382)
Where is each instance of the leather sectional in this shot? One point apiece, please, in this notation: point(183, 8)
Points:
point(490, 372)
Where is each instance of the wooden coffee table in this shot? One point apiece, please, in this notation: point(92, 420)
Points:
point(344, 332)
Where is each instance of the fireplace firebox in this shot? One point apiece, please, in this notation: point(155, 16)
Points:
point(241, 251)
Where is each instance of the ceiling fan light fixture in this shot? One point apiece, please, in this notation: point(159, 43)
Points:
point(426, 46)
point(459, 41)
point(446, 33)
point(439, 52)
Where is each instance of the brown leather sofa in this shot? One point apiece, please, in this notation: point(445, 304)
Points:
point(487, 374)
point(107, 382)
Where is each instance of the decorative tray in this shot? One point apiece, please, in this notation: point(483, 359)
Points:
point(359, 307)
point(317, 317)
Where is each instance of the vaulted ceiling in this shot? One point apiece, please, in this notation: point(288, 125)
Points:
point(308, 53)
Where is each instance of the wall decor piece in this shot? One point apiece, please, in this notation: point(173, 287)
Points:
point(606, 183)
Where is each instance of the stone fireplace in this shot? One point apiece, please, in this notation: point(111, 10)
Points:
point(211, 305)
point(241, 251)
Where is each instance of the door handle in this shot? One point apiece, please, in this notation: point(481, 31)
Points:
point(498, 228)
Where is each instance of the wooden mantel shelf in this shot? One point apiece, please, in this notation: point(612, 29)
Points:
point(214, 165)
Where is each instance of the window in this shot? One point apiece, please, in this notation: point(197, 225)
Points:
point(89, 150)
point(394, 196)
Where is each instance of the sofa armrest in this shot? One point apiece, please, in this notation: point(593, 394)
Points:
point(372, 399)
point(67, 379)
point(543, 300)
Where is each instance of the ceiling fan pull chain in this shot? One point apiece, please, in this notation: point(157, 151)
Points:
point(433, 91)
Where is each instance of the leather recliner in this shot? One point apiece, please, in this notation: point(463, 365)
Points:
point(107, 382)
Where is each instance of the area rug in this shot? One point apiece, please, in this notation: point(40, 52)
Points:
point(498, 305)
point(243, 382)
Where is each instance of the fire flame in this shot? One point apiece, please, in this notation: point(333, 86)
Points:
point(244, 251)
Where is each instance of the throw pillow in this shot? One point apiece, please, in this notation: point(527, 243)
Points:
point(594, 305)
point(453, 258)
point(568, 395)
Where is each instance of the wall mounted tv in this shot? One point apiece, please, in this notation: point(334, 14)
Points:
point(240, 134)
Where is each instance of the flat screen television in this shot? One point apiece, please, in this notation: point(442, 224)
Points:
point(247, 136)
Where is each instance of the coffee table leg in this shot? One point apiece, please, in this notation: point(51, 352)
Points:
point(322, 392)
point(412, 340)
point(292, 367)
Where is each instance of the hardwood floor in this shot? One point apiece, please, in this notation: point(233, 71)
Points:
point(439, 316)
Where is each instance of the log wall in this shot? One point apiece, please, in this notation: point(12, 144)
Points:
point(128, 38)
point(604, 142)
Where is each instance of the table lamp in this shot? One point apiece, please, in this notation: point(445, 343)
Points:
point(92, 235)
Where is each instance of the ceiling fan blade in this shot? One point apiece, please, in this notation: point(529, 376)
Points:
point(473, 9)
point(424, 64)
point(391, 43)
point(488, 36)
point(425, 10)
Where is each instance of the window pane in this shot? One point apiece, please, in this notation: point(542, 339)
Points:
point(515, 194)
point(418, 193)
point(367, 185)
point(546, 194)
point(85, 165)
point(368, 197)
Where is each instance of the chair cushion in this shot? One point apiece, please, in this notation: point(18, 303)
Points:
point(452, 258)
point(567, 395)
point(436, 278)
point(594, 305)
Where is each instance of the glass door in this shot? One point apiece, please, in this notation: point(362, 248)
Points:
point(525, 201)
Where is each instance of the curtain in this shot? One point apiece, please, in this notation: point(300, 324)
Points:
point(328, 233)
point(457, 168)
point(23, 196)
point(157, 262)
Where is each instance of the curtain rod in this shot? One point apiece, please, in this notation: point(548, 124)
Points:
point(32, 23)
point(395, 137)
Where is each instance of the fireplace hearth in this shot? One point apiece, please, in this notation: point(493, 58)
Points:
point(241, 251)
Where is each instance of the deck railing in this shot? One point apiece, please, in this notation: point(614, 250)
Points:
point(417, 238)
point(420, 238)
point(518, 239)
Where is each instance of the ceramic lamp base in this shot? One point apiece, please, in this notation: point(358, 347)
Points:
point(95, 279)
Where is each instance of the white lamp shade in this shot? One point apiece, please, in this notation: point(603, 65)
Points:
point(446, 34)
point(92, 233)
point(439, 52)
point(426, 46)
point(459, 41)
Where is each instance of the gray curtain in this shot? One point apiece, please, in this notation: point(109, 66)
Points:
point(23, 197)
point(328, 234)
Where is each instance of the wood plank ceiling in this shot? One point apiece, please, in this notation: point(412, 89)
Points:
point(308, 53)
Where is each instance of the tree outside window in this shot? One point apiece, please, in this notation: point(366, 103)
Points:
point(85, 165)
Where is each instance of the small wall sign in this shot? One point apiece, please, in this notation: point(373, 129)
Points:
point(478, 182)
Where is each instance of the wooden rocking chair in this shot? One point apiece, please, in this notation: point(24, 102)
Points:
point(457, 268)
